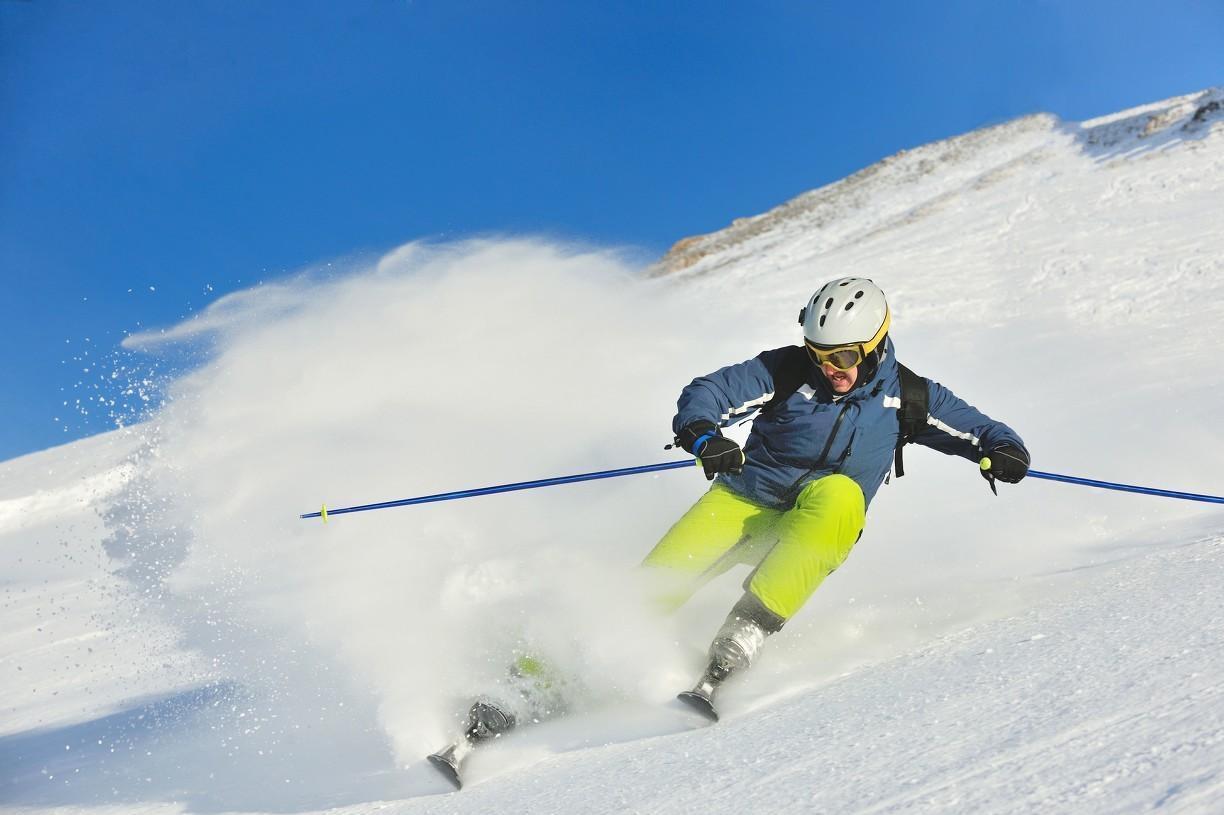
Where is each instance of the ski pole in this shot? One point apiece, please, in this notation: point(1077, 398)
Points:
point(1110, 485)
point(325, 513)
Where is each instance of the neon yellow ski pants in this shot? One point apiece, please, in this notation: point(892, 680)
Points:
point(793, 550)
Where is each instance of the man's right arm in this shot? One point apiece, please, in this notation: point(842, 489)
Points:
point(711, 402)
point(729, 393)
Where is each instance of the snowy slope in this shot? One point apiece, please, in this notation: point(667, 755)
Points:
point(173, 638)
point(1067, 707)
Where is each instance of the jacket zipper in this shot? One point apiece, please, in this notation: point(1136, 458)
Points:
point(824, 454)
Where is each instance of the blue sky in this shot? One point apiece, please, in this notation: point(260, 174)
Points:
point(156, 155)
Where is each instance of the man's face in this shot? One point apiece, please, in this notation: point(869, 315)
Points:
point(839, 381)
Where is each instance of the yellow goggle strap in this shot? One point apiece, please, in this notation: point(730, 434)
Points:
point(845, 357)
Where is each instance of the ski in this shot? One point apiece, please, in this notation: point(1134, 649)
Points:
point(700, 703)
point(449, 761)
point(701, 697)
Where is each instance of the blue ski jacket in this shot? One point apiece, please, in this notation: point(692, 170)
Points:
point(815, 432)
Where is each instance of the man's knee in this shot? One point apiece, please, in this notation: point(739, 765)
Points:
point(834, 493)
point(829, 518)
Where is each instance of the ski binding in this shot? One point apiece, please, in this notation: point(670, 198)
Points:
point(485, 721)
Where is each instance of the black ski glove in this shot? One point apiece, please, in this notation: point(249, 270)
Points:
point(1007, 464)
point(716, 453)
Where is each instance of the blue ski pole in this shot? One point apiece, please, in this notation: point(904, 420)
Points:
point(1109, 485)
point(325, 513)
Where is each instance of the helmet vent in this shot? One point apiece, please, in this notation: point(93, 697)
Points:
point(846, 282)
point(849, 305)
point(857, 295)
point(822, 319)
point(829, 304)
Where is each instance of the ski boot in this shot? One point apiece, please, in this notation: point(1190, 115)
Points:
point(486, 720)
point(734, 648)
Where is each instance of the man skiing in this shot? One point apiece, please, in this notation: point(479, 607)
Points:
point(792, 502)
point(832, 415)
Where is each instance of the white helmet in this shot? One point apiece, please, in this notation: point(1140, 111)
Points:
point(845, 321)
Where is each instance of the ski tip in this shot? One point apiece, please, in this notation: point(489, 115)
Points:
point(447, 768)
point(700, 703)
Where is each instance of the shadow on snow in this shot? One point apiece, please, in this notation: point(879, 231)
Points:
point(198, 747)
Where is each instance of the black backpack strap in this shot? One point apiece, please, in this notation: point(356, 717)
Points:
point(913, 412)
point(790, 376)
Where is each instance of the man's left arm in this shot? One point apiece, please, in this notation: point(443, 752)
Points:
point(958, 428)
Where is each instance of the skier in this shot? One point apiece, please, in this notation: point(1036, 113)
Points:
point(832, 417)
point(792, 502)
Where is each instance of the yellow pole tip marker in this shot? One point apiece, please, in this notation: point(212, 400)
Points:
point(985, 464)
point(323, 513)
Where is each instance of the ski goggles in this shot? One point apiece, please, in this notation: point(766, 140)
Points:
point(843, 357)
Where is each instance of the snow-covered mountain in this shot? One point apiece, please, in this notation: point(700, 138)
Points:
point(173, 638)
